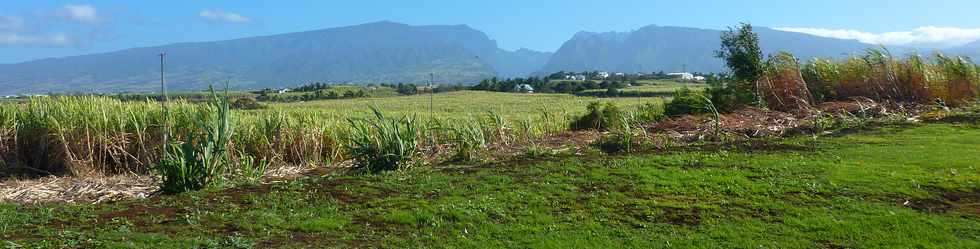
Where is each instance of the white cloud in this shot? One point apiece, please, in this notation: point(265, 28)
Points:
point(221, 16)
point(928, 36)
point(11, 23)
point(59, 39)
point(83, 13)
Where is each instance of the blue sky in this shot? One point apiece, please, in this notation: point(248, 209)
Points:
point(48, 28)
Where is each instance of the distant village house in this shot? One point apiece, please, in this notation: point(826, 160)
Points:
point(687, 77)
point(523, 88)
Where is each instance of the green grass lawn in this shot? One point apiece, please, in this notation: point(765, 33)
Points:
point(896, 187)
point(456, 105)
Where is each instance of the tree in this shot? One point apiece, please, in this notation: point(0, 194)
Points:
point(741, 52)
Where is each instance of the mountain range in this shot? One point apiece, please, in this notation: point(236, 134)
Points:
point(374, 52)
point(389, 52)
point(656, 48)
point(971, 50)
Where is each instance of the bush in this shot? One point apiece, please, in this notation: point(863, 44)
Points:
point(625, 137)
point(650, 112)
point(201, 160)
point(247, 103)
point(467, 138)
point(250, 169)
point(687, 102)
point(382, 144)
point(600, 117)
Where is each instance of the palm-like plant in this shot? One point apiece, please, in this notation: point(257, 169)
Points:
point(382, 143)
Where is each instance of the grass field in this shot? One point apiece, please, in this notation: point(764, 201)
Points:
point(457, 105)
point(649, 88)
point(911, 186)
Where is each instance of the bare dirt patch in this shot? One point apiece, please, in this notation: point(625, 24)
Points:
point(966, 202)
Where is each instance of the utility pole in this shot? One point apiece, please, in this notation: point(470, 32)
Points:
point(163, 104)
point(432, 139)
point(431, 93)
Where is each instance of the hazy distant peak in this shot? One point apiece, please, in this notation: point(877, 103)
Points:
point(973, 45)
point(527, 50)
point(611, 36)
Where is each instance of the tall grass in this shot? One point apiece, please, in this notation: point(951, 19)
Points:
point(880, 76)
point(467, 138)
point(961, 79)
point(382, 143)
point(202, 159)
point(91, 135)
point(85, 135)
point(8, 134)
point(823, 79)
point(782, 85)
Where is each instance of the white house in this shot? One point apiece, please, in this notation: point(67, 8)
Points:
point(700, 79)
point(575, 77)
point(682, 76)
point(603, 75)
point(284, 90)
point(523, 88)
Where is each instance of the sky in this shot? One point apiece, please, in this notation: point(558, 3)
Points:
point(38, 29)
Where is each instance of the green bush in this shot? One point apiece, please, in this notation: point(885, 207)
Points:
point(383, 143)
point(625, 137)
point(600, 117)
point(250, 169)
point(650, 112)
point(467, 138)
point(200, 161)
point(687, 102)
point(247, 103)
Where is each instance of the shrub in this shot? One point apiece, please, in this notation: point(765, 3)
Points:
point(467, 138)
point(200, 161)
point(650, 112)
point(687, 102)
point(600, 117)
point(250, 169)
point(742, 54)
point(496, 129)
point(247, 103)
point(625, 137)
point(382, 144)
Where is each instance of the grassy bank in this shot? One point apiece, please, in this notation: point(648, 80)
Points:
point(912, 186)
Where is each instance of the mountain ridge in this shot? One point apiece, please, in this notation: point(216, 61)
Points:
point(391, 52)
point(672, 48)
point(374, 52)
